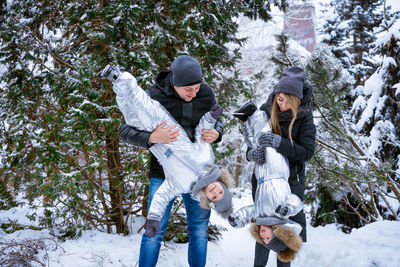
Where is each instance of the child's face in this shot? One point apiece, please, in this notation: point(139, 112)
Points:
point(266, 233)
point(214, 191)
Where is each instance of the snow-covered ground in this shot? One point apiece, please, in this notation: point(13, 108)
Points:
point(376, 244)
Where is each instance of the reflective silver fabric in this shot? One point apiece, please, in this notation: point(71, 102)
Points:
point(273, 187)
point(183, 161)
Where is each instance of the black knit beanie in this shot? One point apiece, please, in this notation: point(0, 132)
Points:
point(291, 82)
point(186, 71)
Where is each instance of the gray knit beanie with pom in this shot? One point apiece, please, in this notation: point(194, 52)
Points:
point(269, 221)
point(224, 206)
point(291, 82)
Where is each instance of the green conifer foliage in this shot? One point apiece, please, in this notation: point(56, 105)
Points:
point(346, 184)
point(389, 50)
point(351, 33)
point(60, 123)
point(357, 180)
point(284, 56)
point(376, 111)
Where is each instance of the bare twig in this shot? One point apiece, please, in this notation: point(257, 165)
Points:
point(25, 252)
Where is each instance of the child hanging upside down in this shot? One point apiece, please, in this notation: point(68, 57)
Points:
point(185, 163)
point(274, 203)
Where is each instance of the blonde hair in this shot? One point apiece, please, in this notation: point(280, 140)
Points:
point(294, 103)
point(204, 202)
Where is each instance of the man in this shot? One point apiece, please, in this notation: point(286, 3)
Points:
point(181, 91)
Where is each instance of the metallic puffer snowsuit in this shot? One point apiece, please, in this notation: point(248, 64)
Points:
point(273, 188)
point(183, 161)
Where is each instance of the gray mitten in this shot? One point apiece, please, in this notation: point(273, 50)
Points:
point(234, 222)
point(270, 140)
point(109, 72)
point(257, 155)
point(152, 228)
point(216, 111)
point(282, 210)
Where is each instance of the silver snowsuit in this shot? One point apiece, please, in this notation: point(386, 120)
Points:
point(183, 161)
point(273, 188)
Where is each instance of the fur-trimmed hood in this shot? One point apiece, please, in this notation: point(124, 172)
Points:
point(285, 242)
point(225, 178)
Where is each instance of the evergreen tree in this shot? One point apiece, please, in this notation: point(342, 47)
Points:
point(376, 109)
point(387, 47)
point(347, 183)
point(355, 178)
point(334, 34)
point(351, 34)
point(61, 123)
point(284, 56)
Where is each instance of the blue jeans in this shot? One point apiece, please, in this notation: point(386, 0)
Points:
point(197, 220)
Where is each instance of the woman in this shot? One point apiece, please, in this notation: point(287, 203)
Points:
point(274, 203)
point(273, 200)
point(289, 109)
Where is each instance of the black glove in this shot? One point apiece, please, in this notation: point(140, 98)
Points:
point(282, 210)
point(245, 111)
point(216, 111)
point(270, 139)
point(152, 228)
point(257, 155)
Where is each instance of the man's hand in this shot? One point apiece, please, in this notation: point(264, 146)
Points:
point(164, 135)
point(209, 135)
point(216, 111)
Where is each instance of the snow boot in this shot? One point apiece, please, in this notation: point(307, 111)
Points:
point(245, 111)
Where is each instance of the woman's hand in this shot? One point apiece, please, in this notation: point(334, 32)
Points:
point(257, 155)
point(270, 139)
